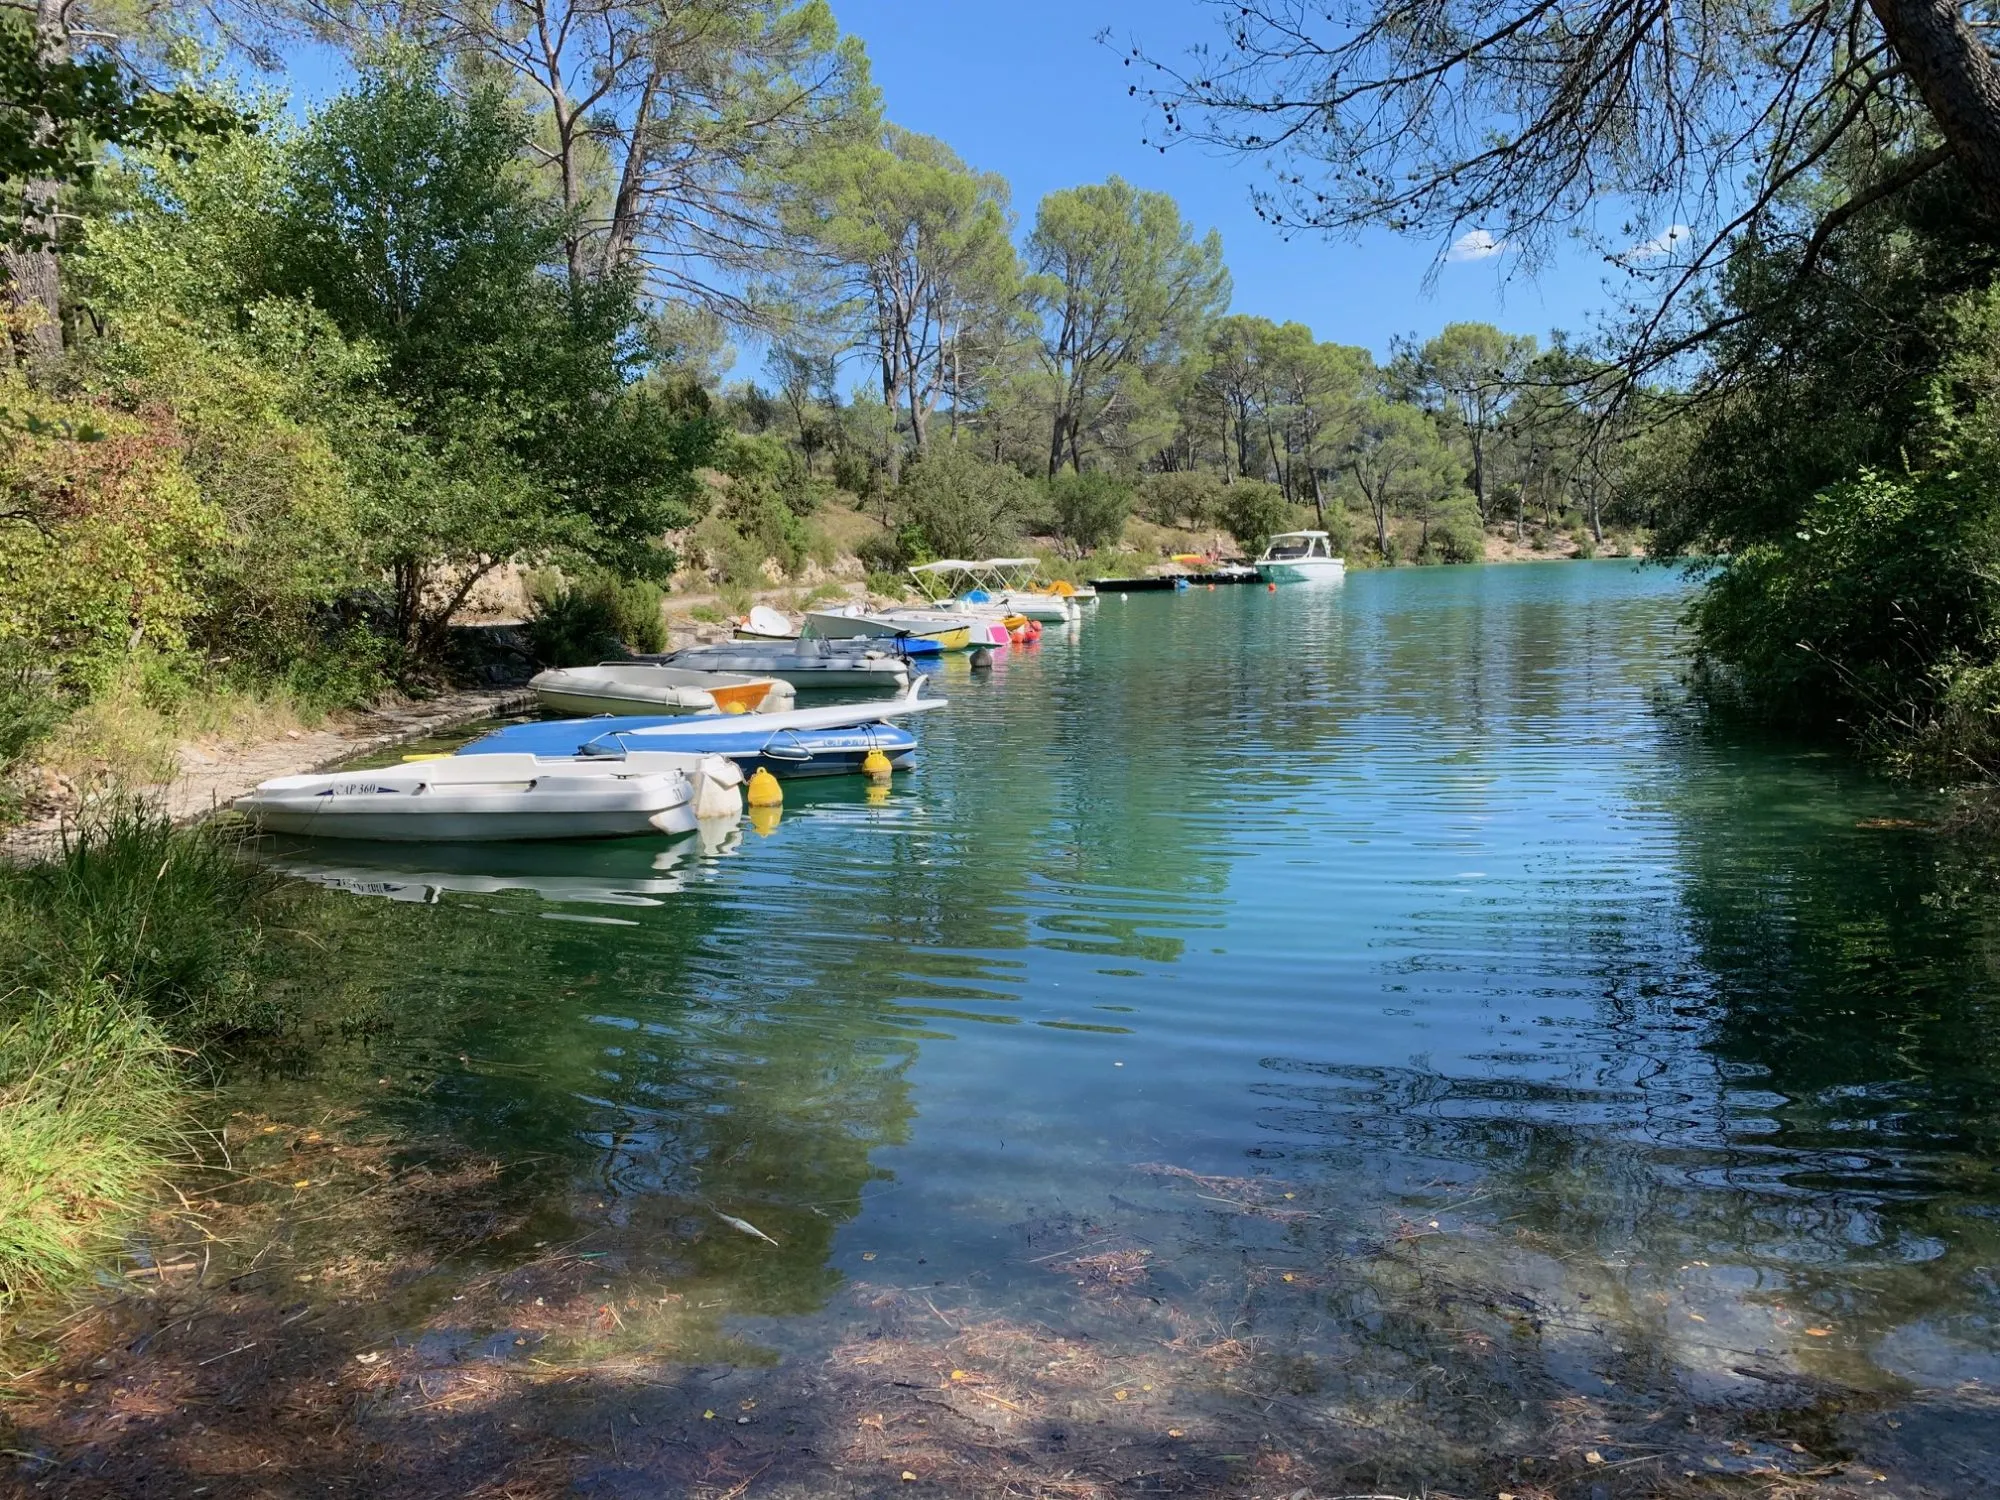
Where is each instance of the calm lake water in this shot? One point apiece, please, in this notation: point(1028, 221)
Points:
point(1222, 946)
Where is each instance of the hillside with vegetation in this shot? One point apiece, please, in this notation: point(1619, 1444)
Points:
point(290, 394)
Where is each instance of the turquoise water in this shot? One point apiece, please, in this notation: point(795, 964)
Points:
point(1416, 910)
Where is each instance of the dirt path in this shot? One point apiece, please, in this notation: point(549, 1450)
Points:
point(212, 776)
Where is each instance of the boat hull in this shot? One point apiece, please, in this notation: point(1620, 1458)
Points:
point(652, 688)
point(800, 666)
point(1303, 570)
point(792, 753)
point(388, 808)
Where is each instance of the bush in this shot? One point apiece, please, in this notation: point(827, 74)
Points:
point(1253, 512)
point(1881, 612)
point(962, 506)
point(1088, 511)
point(1456, 535)
point(1190, 500)
point(596, 617)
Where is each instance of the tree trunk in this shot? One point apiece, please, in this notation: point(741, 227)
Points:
point(1958, 80)
point(34, 276)
point(1319, 499)
point(1479, 473)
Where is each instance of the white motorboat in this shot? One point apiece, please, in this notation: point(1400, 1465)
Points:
point(501, 797)
point(804, 663)
point(649, 687)
point(996, 585)
point(954, 630)
point(1300, 556)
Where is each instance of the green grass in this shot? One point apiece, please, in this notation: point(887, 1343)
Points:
point(125, 952)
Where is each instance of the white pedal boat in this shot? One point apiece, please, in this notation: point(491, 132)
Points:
point(648, 687)
point(501, 797)
point(996, 585)
point(953, 630)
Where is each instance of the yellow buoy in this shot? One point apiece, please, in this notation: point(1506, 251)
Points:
point(763, 790)
point(875, 763)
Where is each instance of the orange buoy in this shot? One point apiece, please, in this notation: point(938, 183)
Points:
point(1271, 588)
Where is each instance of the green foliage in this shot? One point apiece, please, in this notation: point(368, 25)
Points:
point(1124, 290)
point(1454, 534)
point(1253, 512)
point(58, 113)
point(961, 506)
point(1870, 613)
point(134, 940)
point(405, 218)
point(1088, 510)
point(593, 618)
point(100, 541)
point(1187, 498)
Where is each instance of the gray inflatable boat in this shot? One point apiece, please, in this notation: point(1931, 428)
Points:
point(804, 663)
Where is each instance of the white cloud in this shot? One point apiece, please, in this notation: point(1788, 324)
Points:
point(1664, 243)
point(1475, 244)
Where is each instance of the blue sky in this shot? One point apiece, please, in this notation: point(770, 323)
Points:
point(1025, 89)
point(1022, 88)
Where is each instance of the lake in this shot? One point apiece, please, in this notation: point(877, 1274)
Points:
point(1379, 1023)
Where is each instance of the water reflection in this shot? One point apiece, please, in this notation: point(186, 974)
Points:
point(1406, 895)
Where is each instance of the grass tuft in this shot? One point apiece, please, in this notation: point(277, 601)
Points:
point(133, 944)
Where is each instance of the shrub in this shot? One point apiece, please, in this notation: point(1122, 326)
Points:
point(962, 506)
point(1253, 511)
point(1088, 511)
point(593, 618)
point(1191, 500)
point(1881, 610)
point(1455, 534)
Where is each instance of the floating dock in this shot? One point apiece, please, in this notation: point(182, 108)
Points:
point(1172, 581)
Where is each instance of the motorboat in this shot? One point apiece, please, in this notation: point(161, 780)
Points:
point(997, 585)
point(807, 662)
point(828, 741)
point(654, 687)
point(454, 799)
point(952, 630)
point(1300, 556)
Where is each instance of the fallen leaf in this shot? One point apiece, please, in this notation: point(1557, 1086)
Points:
point(1819, 1333)
point(1593, 1457)
point(1505, 1496)
point(742, 1226)
point(1290, 1277)
point(867, 1254)
point(1698, 1317)
point(303, 1182)
point(367, 1359)
point(1176, 1432)
point(709, 1415)
point(1291, 1195)
point(959, 1375)
point(908, 1475)
point(1120, 1395)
